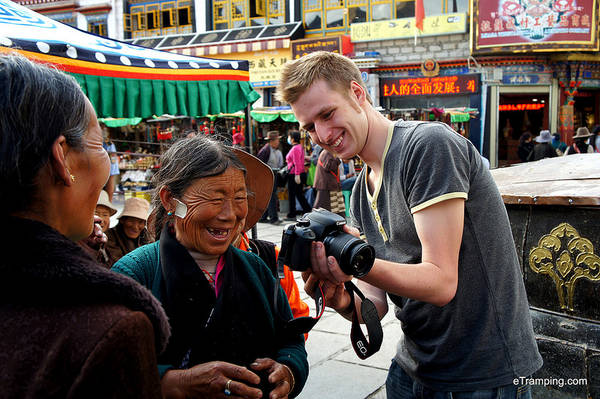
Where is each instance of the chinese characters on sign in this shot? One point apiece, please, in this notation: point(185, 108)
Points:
point(303, 47)
point(443, 85)
point(265, 67)
point(520, 107)
point(535, 24)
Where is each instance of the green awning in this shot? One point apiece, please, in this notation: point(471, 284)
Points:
point(460, 117)
point(123, 80)
point(264, 116)
point(118, 122)
point(128, 98)
point(240, 115)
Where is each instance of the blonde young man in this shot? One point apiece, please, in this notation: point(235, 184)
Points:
point(445, 253)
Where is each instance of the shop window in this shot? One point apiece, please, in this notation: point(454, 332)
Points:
point(152, 18)
point(238, 13)
point(97, 23)
point(312, 20)
point(167, 15)
point(127, 22)
point(138, 19)
point(184, 15)
point(98, 28)
point(158, 18)
point(405, 8)
point(65, 18)
point(229, 14)
point(357, 11)
point(449, 6)
point(220, 14)
point(340, 14)
point(381, 10)
point(335, 13)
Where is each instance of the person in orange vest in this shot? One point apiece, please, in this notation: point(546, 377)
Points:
point(269, 253)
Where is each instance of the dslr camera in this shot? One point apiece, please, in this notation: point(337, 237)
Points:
point(354, 256)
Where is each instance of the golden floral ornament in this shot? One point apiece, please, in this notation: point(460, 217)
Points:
point(566, 257)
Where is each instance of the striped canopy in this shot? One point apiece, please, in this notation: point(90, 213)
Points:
point(125, 81)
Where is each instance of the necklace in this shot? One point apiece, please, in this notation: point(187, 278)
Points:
point(210, 277)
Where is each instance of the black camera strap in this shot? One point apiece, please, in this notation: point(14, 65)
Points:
point(302, 325)
point(362, 347)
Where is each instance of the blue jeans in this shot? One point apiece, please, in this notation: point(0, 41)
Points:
point(399, 385)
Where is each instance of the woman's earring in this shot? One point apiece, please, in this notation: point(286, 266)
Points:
point(170, 213)
point(72, 178)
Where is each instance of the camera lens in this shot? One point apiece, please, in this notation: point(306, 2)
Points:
point(354, 256)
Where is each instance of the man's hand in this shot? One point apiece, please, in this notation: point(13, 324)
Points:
point(334, 295)
point(326, 267)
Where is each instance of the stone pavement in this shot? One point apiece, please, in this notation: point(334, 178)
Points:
point(335, 370)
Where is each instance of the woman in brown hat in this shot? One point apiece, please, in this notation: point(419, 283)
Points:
point(228, 337)
point(70, 328)
point(580, 143)
point(96, 248)
point(131, 232)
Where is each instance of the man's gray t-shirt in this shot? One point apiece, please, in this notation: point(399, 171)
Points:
point(484, 337)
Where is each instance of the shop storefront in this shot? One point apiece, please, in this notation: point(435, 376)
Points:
point(531, 93)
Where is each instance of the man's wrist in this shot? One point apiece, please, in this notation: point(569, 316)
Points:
point(349, 308)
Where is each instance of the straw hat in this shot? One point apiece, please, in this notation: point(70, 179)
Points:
point(582, 133)
point(104, 201)
point(544, 137)
point(137, 208)
point(272, 135)
point(259, 182)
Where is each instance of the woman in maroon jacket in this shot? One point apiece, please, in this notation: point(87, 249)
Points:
point(70, 328)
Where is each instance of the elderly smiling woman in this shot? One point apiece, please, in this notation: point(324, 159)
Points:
point(227, 330)
point(70, 328)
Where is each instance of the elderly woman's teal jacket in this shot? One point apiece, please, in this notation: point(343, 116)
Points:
point(242, 324)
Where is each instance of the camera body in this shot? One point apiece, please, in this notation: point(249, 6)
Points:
point(354, 256)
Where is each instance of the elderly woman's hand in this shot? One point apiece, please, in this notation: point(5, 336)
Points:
point(279, 375)
point(210, 380)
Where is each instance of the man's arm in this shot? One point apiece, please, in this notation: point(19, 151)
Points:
point(434, 280)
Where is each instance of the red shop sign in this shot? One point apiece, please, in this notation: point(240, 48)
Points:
point(436, 86)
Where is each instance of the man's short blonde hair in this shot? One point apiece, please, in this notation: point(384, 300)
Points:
point(335, 69)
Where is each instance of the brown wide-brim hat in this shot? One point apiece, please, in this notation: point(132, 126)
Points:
point(582, 133)
point(259, 182)
point(136, 208)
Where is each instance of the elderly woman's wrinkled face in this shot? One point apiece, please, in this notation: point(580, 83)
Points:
point(90, 169)
point(132, 227)
point(217, 209)
point(104, 213)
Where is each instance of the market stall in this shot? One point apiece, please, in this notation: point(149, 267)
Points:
point(146, 99)
point(125, 81)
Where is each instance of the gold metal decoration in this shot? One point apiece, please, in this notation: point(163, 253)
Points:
point(565, 264)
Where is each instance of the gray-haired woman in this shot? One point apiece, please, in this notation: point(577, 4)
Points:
point(228, 336)
point(70, 328)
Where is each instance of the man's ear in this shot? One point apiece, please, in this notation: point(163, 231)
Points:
point(58, 161)
point(166, 198)
point(358, 93)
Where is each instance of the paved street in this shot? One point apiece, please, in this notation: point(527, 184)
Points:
point(335, 370)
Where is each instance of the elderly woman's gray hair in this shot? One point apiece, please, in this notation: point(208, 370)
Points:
point(184, 162)
point(37, 105)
